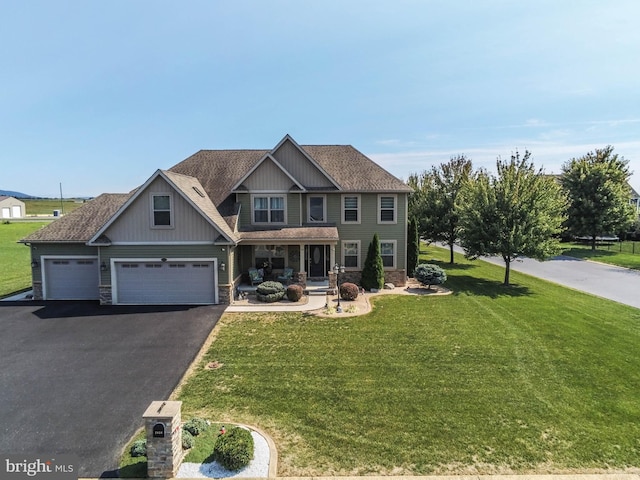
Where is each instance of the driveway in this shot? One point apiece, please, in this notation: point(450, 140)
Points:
point(75, 378)
point(608, 281)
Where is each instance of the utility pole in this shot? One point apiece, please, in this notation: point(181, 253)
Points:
point(61, 202)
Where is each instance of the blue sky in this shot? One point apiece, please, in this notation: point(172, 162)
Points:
point(97, 95)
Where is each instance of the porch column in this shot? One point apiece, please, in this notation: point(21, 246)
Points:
point(302, 259)
point(332, 257)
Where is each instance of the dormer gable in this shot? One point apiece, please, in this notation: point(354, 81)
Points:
point(268, 175)
point(168, 207)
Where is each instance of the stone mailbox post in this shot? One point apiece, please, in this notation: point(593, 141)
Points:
point(164, 439)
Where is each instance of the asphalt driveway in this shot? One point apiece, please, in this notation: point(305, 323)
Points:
point(75, 378)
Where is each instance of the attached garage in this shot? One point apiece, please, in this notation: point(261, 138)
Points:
point(171, 282)
point(71, 278)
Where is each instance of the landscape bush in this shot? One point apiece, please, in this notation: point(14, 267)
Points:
point(429, 274)
point(234, 449)
point(294, 292)
point(139, 448)
point(187, 440)
point(270, 292)
point(349, 291)
point(196, 426)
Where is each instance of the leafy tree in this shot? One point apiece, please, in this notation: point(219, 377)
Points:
point(413, 245)
point(373, 271)
point(435, 200)
point(598, 191)
point(517, 213)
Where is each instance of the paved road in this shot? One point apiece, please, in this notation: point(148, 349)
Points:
point(75, 378)
point(615, 283)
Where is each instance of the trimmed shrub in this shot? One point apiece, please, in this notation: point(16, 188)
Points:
point(429, 274)
point(139, 448)
point(373, 270)
point(270, 292)
point(294, 292)
point(234, 449)
point(349, 291)
point(196, 426)
point(187, 440)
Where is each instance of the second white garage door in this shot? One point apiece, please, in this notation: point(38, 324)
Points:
point(165, 283)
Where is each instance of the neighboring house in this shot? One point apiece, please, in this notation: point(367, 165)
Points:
point(11, 208)
point(634, 199)
point(189, 234)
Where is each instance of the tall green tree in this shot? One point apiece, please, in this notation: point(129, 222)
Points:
point(413, 245)
point(373, 270)
point(435, 200)
point(516, 213)
point(598, 192)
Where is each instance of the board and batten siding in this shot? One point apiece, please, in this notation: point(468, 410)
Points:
point(135, 224)
point(268, 177)
point(290, 157)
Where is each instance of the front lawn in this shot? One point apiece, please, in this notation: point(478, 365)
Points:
point(528, 378)
point(623, 254)
point(15, 260)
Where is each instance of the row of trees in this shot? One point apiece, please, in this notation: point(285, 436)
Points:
point(520, 211)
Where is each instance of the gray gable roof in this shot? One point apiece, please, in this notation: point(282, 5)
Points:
point(81, 224)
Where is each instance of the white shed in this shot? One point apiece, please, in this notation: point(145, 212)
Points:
point(11, 207)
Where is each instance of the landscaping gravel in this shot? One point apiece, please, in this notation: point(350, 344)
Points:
point(258, 468)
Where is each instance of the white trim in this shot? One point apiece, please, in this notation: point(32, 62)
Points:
point(268, 197)
point(203, 242)
point(324, 208)
point(342, 248)
point(359, 209)
point(395, 209)
point(44, 258)
point(395, 253)
point(152, 196)
point(114, 276)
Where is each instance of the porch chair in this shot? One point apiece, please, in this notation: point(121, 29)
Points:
point(286, 276)
point(256, 276)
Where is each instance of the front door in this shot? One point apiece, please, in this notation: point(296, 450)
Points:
point(317, 262)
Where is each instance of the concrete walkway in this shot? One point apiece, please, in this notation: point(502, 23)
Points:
point(607, 281)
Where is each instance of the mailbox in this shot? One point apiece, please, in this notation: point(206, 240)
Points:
point(158, 430)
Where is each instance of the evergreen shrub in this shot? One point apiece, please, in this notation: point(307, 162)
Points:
point(294, 292)
point(349, 291)
point(234, 449)
point(270, 292)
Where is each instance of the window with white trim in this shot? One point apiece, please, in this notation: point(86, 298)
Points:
point(350, 208)
point(388, 253)
point(317, 208)
point(387, 208)
point(269, 209)
point(161, 211)
point(351, 254)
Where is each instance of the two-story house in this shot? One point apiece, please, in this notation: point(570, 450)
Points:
point(190, 234)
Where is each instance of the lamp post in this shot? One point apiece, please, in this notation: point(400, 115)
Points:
point(338, 269)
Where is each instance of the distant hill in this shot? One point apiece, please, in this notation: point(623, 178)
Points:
point(9, 193)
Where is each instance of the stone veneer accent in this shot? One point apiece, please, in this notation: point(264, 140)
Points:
point(300, 278)
point(105, 295)
point(225, 294)
point(164, 454)
point(37, 290)
point(397, 277)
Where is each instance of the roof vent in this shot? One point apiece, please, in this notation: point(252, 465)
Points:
point(198, 191)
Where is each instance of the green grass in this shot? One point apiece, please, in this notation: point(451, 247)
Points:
point(528, 378)
point(46, 206)
point(15, 260)
point(621, 254)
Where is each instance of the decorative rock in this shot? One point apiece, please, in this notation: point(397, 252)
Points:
point(389, 286)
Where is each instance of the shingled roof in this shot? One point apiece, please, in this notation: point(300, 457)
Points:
point(81, 224)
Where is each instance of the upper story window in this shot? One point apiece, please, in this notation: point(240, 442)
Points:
point(388, 253)
point(162, 213)
point(269, 209)
point(317, 207)
point(387, 208)
point(351, 209)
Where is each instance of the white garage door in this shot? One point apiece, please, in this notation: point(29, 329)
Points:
point(71, 279)
point(172, 282)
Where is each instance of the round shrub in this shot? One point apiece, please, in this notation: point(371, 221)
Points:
point(349, 291)
point(270, 292)
point(139, 448)
point(294, 292)
point(196, 426)
point(429, 274)
point(234, 449)
point(187, 440)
